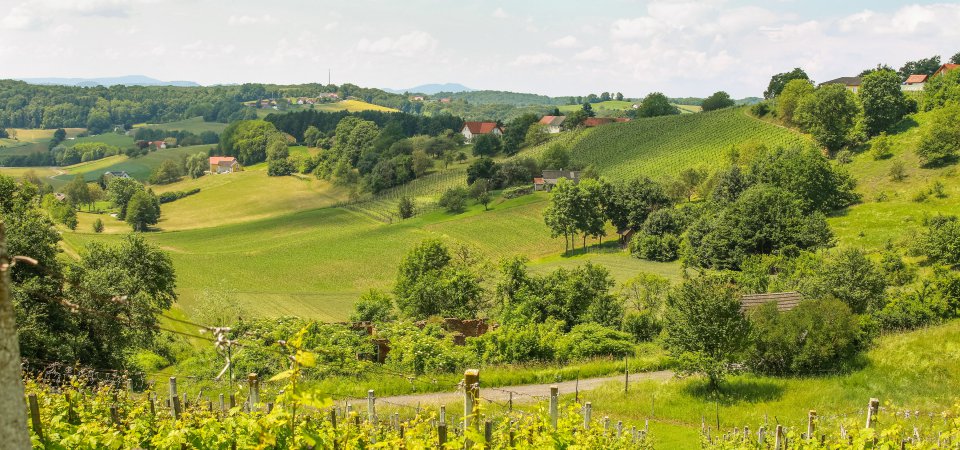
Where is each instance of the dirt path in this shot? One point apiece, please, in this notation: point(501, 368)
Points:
point(526, 392)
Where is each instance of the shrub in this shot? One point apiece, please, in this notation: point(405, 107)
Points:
point(898, 171)
point(518, 191)
point(515, 343)
point(642, 325)
point(405, 207)
point(910, 310)
point(590, 339)
point(844, 157)
point(454, 199)
point(373, 306)
point(941, 240)
point(760, 109)
point(98, 226)
point(168, 197)
point(817, 335)
point(655, 248)
point(422, 351)
point(881, 147)
point(940, 138)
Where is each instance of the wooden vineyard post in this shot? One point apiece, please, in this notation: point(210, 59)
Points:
point(13, 425)
point(35, 417)
point(760, 435)
point(587, 409)
point(254, 384)
point(872, 408)
point(442, 434)
point(619, 429)
point(811, 417)
point(626, 375)
point(174, 399)
point(778, 437)
point(471, 392)
point(371, 407)
point(443, 414)
point(554, 399)
point(333, 419)
point(488, 433)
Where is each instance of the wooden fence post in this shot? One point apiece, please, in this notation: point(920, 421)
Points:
point(253, 383)
point(554, 399)
point(760, 435)
point(778, 437)
point(35, 417)
point(488, 433)
point(174, 399)
point(371, 407)
point(872, 408)
point(471, 392)
point(442, 434)
point(811, 417)
point(626, 374)
point(587, 410)
point(233, 400)
point(13, 426)
point(443, 414)
point(619, 428)
point(333, 419)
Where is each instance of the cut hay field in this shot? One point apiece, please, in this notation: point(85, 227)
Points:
point(195, 125)
point(889, 211)
point(663, 146)
point(343, 105)
point(609, 105)
point(31, 141)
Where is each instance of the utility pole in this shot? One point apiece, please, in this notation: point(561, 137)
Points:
point(13, 422)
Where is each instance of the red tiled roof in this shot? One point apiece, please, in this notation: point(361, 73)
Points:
point(538, 181)
point(221, 159)
point(920, 78)
point(945, 68)
point(552, 120)
point(785, 300)
point(480, 127)
point(596, 121)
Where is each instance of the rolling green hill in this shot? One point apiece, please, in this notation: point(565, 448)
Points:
point(139, 168)
point(663, 146)
point(195, 125)
point(890, 210)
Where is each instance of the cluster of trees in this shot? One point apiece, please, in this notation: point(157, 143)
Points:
point(136, 205)
point(119, 289)
point(82, 152)
point(653, 105)
point(297, 123)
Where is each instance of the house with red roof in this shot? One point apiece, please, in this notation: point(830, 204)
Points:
point(914, 83)
point(224, 164)
point(473, 129)
point(552, 123)
point(944, 69)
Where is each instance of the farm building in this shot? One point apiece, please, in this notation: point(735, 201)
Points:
point(551, 177)
point(224, 164)
point(944, 69)
point(471, 129)
point(851, 83)
point(914, 83)
point(115, 174)
point(785, 300)
point(158, 144)
point(552, 123)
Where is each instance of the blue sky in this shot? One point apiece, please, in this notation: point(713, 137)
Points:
point(680, 47)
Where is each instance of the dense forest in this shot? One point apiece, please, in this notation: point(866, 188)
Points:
point(296, 123)
point(100, 108)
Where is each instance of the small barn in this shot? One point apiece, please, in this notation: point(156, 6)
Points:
point(785, 301)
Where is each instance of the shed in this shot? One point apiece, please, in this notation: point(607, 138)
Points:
point(785, 300)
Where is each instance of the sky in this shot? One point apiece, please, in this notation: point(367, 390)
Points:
point(555, 47)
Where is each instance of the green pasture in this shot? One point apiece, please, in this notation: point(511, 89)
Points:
point(195, 125)
point(140, 167)
point(117, 140)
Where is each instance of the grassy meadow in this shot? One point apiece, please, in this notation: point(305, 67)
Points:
point(195, 125)
point(890, 210)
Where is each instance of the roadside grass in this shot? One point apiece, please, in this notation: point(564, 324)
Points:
point(195, 125)
point(888, 211)
point(918, 370)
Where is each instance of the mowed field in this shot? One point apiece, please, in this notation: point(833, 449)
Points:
point(195, 125)
point(889, 210)
point(30, 141)
point(663, 146)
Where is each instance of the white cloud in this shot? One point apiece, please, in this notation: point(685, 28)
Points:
point(250, 20)
point(594, 54)
point(499, 13)
point(535, 59)
point(567, 41)
point(34, 14)
point(407, 45)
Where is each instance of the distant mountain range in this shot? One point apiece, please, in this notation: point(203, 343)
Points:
point(129, 80)
point(430, 89)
